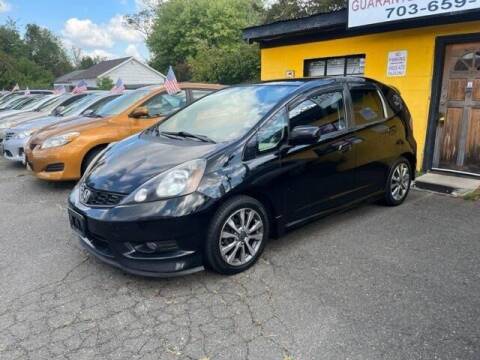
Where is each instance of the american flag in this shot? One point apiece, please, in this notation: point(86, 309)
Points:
point(119, 87)
point(171, 83)
point(81, 87)
point(59, 90)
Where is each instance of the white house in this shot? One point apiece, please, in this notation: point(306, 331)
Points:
point(133, 73)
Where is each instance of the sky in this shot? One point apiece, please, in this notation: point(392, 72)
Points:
point(95, 26)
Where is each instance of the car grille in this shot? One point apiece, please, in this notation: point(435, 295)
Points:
point(9, 135)
point(93, 197)
point(55, 167)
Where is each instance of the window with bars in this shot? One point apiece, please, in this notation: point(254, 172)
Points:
point(335, 66)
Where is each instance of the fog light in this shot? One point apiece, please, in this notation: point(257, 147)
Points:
point(155, 247)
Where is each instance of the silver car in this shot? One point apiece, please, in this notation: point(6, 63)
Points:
point(17, 137)
point(45, 110)
point(30, 103)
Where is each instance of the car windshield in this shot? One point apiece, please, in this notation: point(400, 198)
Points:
point(78, 106)
point(53, 103)
point(227, 114)
point(121, 103)
point(17, 104)
point(33, 104)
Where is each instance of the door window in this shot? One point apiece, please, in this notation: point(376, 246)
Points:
point(164, 104)
point(325, 110)
point(198, 94)
point(367, 106)
point(272, 133)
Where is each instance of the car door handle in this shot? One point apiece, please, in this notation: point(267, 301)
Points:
point(345, 147)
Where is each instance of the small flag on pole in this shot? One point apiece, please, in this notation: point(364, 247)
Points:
point(81, 87)
point(118, 88)
point(27, 91)
point(171, 83)
point(16, 87)
point(59, 90)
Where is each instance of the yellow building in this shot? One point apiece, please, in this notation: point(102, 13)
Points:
point(433, 60)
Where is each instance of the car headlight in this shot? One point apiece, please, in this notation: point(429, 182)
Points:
point(179, 181)
point(24, 134)
point(59, 140)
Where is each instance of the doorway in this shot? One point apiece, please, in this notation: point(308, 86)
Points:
point(457, 135)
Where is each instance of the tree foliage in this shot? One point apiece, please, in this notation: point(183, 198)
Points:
point(185, 32)
point(104, 83)
point(292, 9)
point(32, 61)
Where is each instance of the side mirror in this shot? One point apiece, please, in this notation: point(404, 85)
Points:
point(88, 112)
point(304, 135)
point(140, 112)
point(58, 110)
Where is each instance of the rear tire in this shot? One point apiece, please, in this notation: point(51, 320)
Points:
point(398, 182)
point(237, 235)
point(89, 158)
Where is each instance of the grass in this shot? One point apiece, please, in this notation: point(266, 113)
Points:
point(473, 196)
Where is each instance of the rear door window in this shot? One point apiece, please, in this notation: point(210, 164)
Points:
point(325, 110)
point(367, 105)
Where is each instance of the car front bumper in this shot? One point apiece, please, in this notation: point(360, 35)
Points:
point(14, 149)
point(55, 164)
point(113, 235)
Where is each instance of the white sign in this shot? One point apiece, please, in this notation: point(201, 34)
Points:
point(397, 63)
point(367, 12)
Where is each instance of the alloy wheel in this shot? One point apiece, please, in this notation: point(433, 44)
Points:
point(400, 181)
point(241, 237)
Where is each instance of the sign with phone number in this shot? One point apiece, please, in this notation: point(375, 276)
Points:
point(368, 12)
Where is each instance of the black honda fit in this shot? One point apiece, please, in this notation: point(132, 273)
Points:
point(210, 184)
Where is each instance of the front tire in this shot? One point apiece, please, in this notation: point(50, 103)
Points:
point(398, 182)
point(237, 235)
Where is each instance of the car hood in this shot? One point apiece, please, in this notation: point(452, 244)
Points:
point(41, 122)
point(130, 163)
point(6, 113)
point(76, 124)
point(21, 117)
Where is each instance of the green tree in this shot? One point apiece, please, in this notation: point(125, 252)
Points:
point(104, 83)
point(292, 9)
point(46, 50)
point(88, 61)
point(226, 65)
point(184, 28)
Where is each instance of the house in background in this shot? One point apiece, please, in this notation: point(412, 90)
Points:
point(133, 73)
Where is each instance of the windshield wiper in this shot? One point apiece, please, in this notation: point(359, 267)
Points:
point(93, 115)
point(186, 134)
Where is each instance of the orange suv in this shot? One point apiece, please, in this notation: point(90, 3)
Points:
point(63, 151)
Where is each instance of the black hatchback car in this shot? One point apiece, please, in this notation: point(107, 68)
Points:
point(210, 184)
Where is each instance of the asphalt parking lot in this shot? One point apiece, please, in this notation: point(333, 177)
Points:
point(371, 283)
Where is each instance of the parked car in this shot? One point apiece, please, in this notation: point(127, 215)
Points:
point(211, 183)
point(48, 108)
point(32, 103)
point(10, 95)
point(17, 137)
point(18, 103)
point(63, 151)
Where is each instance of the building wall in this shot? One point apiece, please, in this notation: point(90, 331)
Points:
point(415, 86)
point(133, 73)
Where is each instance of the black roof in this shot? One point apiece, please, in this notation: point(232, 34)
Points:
point(68, 77)
point(92, 72)
point(334, 24)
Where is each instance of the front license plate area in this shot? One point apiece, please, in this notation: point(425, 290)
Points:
point(77, 222)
